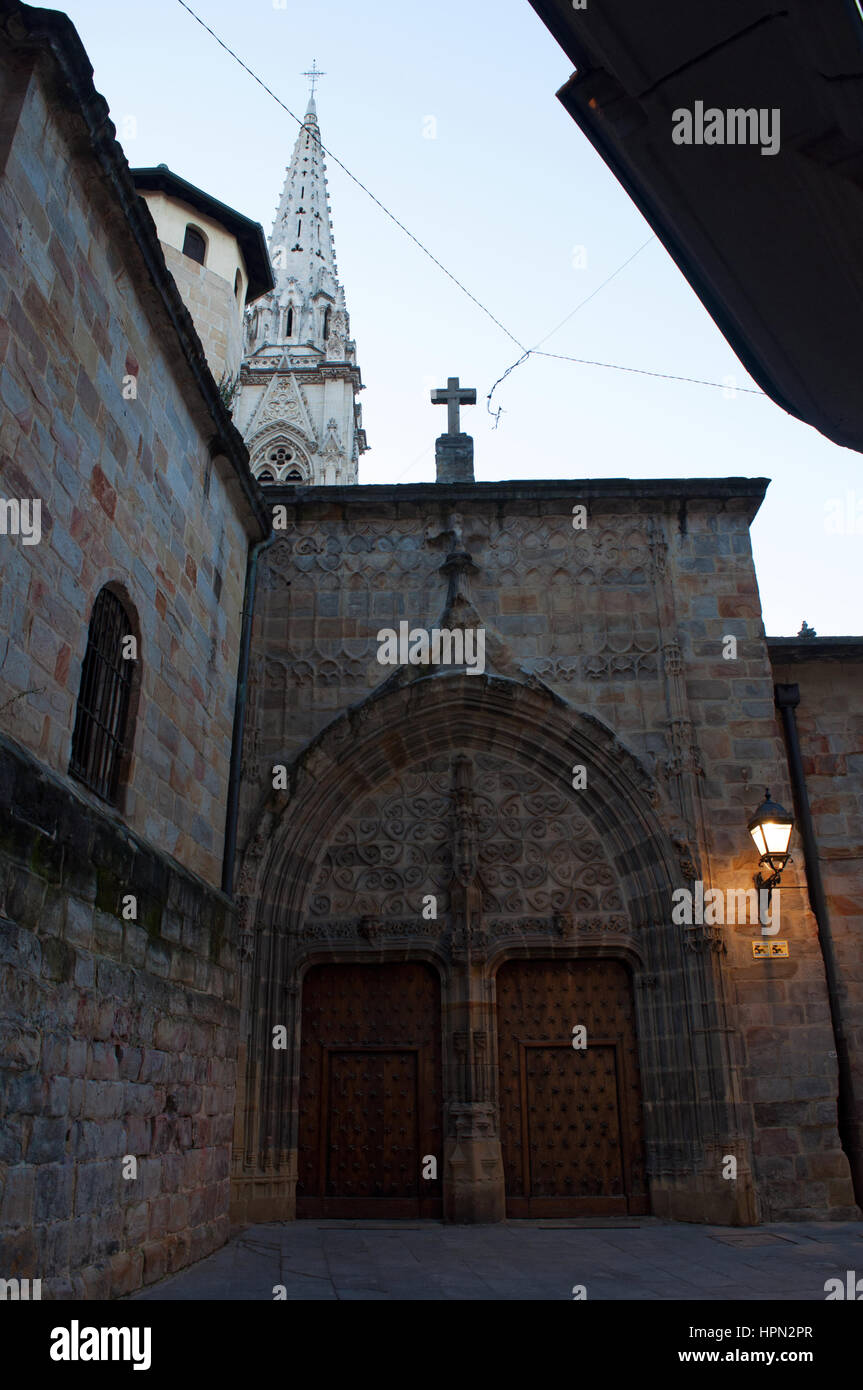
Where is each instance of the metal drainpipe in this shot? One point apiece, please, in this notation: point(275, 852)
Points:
point(787, 699)
point(233, 809)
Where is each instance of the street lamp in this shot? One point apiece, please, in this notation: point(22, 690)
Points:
point(771, 828)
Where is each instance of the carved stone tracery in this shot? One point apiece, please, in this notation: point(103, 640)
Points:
point(501, 851)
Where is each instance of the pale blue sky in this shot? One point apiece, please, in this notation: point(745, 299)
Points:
point(502, 195)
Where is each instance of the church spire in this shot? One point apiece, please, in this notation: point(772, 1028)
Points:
point(302, 236)
point(298, 352)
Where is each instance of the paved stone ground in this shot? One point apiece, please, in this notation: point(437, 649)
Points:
point(640, 1259)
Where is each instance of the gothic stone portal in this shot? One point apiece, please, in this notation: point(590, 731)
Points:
point(488, 845)
point(435, 829)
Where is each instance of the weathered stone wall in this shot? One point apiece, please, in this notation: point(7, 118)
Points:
point(560, 605)
point(630, 623)
point(789, 1070)
point(117, 1019)
point(830, 727)
point(217, 313)
point(129, 494)
point(117, 1038)
point(589, 613)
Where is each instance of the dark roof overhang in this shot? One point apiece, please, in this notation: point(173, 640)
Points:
point(770, 243)
point(249, 234)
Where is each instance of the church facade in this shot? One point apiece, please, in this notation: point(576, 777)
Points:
point(449, 871)
point(400, 865)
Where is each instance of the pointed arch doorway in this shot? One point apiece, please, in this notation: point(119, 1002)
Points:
point(456, 789)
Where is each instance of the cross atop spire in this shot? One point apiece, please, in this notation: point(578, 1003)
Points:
point(313, 74)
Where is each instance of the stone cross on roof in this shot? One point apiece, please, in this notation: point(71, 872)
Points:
point(454, 450)
point(453, 397)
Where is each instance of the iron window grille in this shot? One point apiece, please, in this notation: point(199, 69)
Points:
point(98, 739)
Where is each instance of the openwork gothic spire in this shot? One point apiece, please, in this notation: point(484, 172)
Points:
point(297, 407)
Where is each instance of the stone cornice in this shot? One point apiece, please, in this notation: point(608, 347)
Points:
point(320, 372)
point(671, 496)
point(797, 649)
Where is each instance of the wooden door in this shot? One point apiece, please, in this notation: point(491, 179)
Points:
point(571, 1126)
point(370, 1092)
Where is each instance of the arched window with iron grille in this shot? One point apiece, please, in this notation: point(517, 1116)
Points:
point(99, 739)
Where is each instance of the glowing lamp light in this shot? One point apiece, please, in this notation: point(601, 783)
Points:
point(771, 828)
